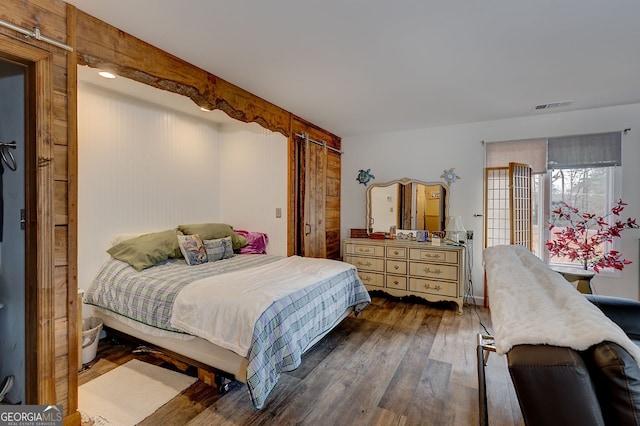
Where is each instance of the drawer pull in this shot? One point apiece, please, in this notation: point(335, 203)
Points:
point(432, 256)
point(396, 282)
point(428, 270)
point(364, 250)
point(364, 264)
point(436, 287)
point(396, 252)
point(367, 278)
point(396, 267)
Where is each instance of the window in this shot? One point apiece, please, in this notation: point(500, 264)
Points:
point(582, 173)
point(583, 170)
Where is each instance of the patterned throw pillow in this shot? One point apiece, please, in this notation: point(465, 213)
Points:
point(218, 249)
point(192, 249)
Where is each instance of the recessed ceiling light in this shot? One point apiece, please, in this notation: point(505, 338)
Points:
point(205, 109)
point(106, 74)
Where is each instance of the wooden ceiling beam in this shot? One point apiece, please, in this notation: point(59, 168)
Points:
point(100, 45)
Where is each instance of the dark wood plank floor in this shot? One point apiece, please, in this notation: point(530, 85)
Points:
point(398, 363)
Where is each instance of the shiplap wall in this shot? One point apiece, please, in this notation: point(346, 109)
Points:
point(145, 168)
point(254, 181)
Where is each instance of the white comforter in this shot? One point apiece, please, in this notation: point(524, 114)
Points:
point(209, 307)
point(531, 304)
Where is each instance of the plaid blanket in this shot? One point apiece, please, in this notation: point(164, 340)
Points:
point(147, 296)
point(285, 330)
point(280, 336)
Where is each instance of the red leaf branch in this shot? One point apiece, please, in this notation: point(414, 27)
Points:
point(585, 235)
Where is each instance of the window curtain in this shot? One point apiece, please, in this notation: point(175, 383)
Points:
point(525, 151)
point(583, 151)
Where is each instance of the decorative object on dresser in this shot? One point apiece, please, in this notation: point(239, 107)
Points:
point(455, 230)
point(422, 236)
point(404, 268)
point(359, 233)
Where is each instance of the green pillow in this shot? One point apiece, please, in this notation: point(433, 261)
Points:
point(148, 249)
point(213, 231)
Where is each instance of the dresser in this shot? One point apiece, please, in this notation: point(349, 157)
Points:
point(403, 268)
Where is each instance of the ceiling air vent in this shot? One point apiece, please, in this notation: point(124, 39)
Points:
point(551, 105)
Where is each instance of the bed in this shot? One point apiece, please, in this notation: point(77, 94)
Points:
point(248, 316)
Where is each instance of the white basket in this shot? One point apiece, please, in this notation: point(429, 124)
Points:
point(91, 328)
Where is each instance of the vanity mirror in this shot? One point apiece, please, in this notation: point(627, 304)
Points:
point(407, 204)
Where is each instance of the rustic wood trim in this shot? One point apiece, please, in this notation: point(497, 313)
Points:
point(292, 192)
point(100, 45)
point(74, 310)
point(45, 235)
point(39, 243)
point(300, 125)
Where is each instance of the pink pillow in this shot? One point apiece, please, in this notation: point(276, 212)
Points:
point(257, 242)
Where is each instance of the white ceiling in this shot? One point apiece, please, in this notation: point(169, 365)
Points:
point(368, 66)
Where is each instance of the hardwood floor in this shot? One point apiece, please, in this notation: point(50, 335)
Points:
point(398, 363)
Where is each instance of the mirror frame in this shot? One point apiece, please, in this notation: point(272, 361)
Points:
point(405, 181)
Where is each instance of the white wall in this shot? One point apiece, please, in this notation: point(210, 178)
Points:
point(424, 154)
point(145, 168)
point(254, 182)
point(140, 169)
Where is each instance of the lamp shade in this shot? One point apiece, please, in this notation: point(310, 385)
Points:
point(455, 224)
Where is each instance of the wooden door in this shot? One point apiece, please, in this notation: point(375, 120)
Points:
point(316, 215)
point(313, 215)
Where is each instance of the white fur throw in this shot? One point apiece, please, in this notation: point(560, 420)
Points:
point(531, 304)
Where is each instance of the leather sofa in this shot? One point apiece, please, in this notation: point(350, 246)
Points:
point(598, 386)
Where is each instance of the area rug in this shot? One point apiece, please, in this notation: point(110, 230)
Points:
point(129, 393)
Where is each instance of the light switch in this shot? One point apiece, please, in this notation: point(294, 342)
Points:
point(278, 212)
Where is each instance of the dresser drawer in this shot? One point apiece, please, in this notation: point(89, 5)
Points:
point(366, 263)
point(433, 287)
point(397, 282)
point(440, 256)
point(365, 249)
point(397, 252)
point(433, 270)
point(371, 279)
point(396, 267)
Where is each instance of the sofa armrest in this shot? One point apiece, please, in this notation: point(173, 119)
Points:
point(553, 386)
point(624, 312)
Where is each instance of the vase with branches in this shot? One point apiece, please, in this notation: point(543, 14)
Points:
point(585, 237)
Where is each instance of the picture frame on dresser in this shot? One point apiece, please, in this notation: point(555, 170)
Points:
point(422, 236)
point(406, 234)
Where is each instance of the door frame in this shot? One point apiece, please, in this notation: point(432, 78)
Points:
point(39, 232)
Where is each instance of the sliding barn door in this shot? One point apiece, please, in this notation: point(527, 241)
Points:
point(316, 216)
point(314, 238)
